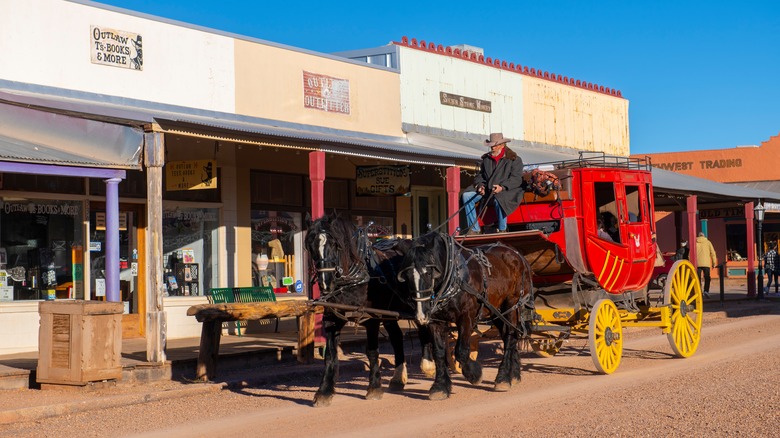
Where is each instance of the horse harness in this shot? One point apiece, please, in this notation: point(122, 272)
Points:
point(453, 282)
point(357, 275)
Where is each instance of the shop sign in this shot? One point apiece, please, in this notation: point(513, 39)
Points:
point(382, 180)
point(190, 175)
point(325, 93)
point(116, 48)
point(465, 102)
point(722, 213)
point(100, 221)
point(772, 207)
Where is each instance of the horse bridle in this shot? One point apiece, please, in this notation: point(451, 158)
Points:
point(357, 273)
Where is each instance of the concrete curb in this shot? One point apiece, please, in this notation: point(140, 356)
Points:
point(36, 413)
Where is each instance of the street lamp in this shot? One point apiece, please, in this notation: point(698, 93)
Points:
point(759, 211)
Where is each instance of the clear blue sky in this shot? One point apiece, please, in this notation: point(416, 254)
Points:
point(697, 74)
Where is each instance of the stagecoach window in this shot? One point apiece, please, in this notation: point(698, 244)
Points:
point(632, 203)
point(607, 208)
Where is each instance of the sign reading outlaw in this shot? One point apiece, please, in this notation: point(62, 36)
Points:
point(465, 102)
point(382, 180)
point(116, 48)
point(190, 175)
point(325, 93)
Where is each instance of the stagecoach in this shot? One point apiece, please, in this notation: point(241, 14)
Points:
point(588, 285)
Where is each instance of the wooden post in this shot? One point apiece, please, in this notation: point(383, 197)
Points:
point(306, 337)
point(210, 334)
point(156, 328)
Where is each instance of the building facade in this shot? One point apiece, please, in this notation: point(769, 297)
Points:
point(221, 145)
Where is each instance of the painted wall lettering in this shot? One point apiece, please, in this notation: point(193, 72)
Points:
point(678, 166)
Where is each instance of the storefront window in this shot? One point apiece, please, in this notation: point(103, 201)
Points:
point(41, 249)
point(277, 251)
point(190, 250)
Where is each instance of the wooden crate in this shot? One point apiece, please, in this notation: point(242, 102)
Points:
point(79, 342)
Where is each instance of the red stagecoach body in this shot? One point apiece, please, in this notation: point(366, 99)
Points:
point(558, 231)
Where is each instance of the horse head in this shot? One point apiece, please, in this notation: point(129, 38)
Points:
point(334, 245)
point(421, 271)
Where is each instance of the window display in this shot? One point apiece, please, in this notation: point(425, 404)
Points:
point(276, 241)
point(40, 249)
point(190, 250)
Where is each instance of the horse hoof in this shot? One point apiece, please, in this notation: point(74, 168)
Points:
point(322, 401)
point(375, 394)
point(502, 387)
point(515, 380)
point(438, 395)
point(396, 386)
point(428, 368)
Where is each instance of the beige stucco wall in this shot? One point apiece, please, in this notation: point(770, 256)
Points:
point(569, 116)
point(269, 84)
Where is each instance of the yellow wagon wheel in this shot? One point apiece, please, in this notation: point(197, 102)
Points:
point(605, 336)
point(683, 293)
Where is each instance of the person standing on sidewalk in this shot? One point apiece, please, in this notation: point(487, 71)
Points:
point(706, 259)
point(771, 267)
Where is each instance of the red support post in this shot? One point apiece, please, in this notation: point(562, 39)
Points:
point(317, 178)
point(751, 250)
point(692, 210)
point(453, 198)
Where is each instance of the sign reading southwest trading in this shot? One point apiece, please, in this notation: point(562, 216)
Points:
point(382, 180)
point(325, 93)
point(190, 175)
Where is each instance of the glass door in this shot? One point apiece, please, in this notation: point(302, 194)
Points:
point(130, 262)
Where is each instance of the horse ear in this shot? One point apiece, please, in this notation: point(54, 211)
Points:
point(307, 220)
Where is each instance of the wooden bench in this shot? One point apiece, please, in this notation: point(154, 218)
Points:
point(242, 295)
point(214, 315)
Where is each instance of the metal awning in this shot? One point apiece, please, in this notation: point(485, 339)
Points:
point(34, 136)
point(107, 128)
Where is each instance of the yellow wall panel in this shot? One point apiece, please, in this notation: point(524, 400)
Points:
point(269, 84)
point(569, 116)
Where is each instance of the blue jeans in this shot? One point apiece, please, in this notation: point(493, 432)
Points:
point(470, 200)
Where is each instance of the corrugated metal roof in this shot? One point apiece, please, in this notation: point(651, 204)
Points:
point(34, 136)
point(437, 148)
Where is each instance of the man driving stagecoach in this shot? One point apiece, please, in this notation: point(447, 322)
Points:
point(500, 177)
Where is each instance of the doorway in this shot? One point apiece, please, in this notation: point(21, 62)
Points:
point(429, 208)
point(131, 263)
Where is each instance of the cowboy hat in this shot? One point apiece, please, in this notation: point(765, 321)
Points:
point(495, 139)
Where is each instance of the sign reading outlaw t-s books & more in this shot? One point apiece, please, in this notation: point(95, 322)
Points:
point(116, 48)
point(190, 175)
point(382, 180)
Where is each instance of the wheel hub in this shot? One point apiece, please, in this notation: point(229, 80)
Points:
point(608, 336)
point(684, 308)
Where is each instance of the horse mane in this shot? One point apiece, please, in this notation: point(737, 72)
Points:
point(344, 232)
point(429, 244)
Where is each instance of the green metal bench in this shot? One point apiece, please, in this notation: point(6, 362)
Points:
point(242, 295)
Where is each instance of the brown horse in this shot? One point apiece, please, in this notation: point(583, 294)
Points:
point(453, 284)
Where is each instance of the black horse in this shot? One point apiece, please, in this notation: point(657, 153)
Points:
point(352, 272)
point(453, 284)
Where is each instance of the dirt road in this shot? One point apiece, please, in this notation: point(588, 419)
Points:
point(729, 387)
